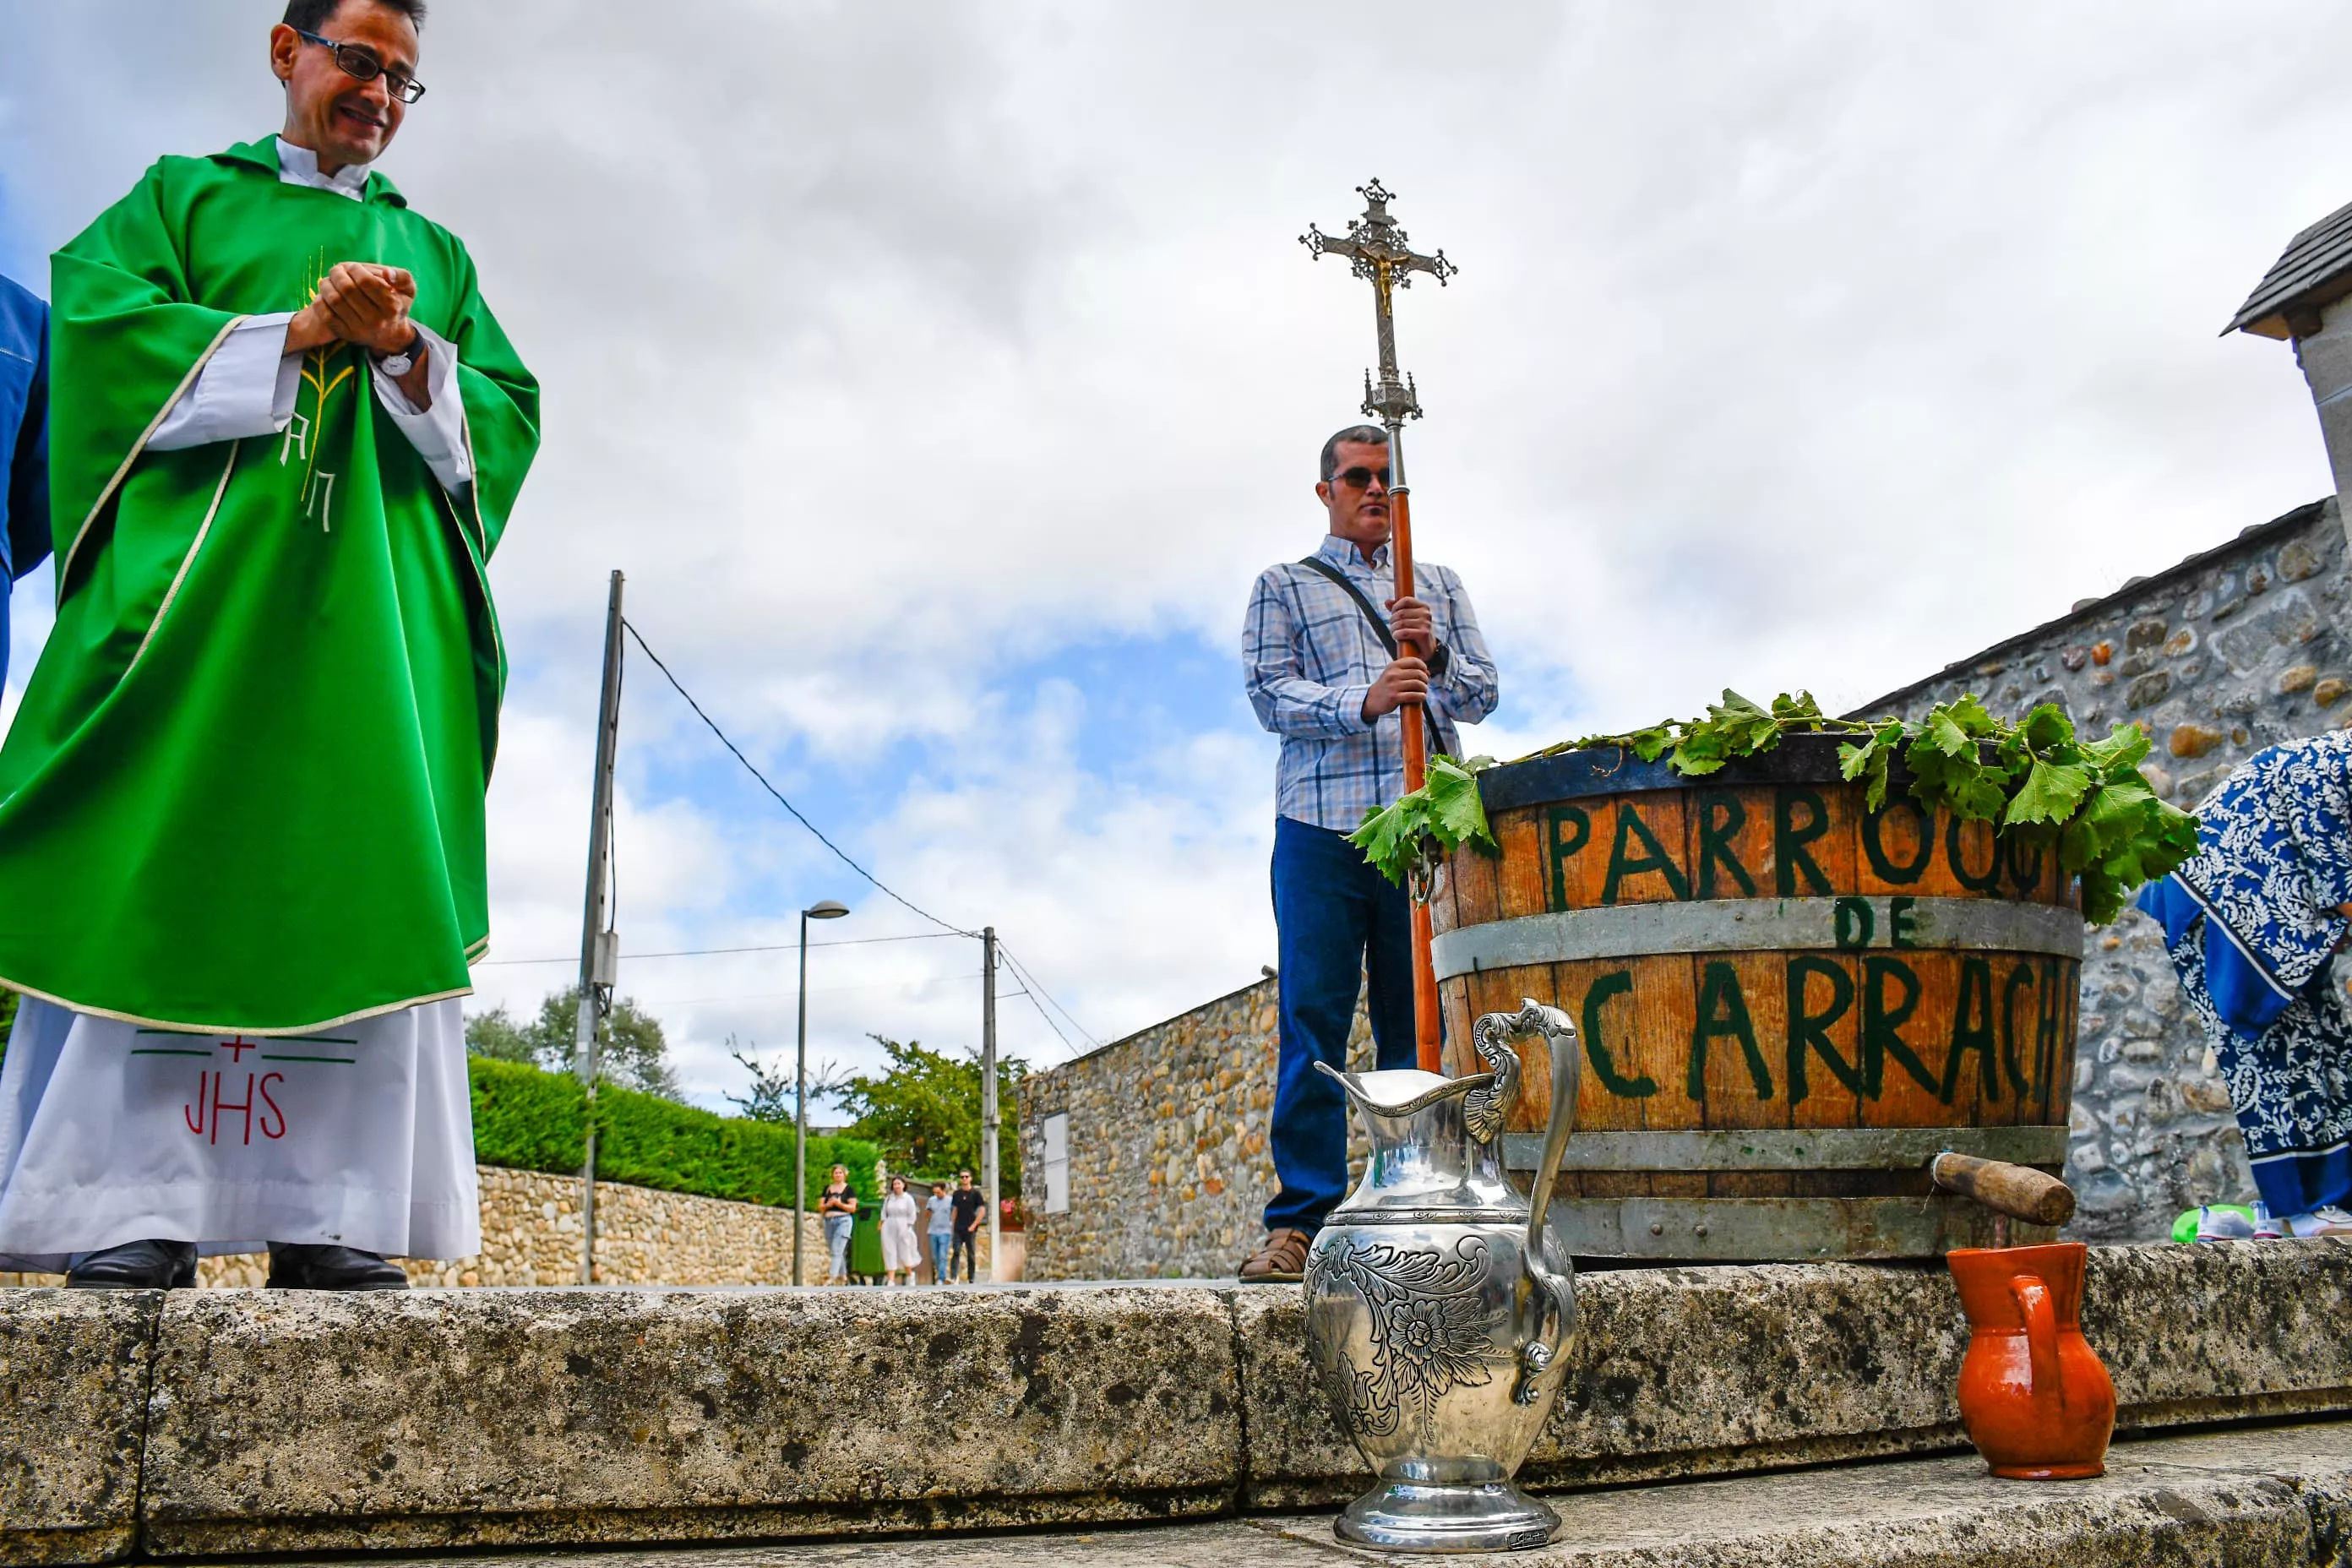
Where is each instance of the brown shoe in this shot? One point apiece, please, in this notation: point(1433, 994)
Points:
point(1280, 1259)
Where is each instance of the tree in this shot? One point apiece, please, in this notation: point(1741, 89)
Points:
point(493, 1034)
point(773, 1089)
point(634, 1055)
point(925, 1110)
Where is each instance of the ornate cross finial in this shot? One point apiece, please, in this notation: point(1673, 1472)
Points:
point(1376, 251)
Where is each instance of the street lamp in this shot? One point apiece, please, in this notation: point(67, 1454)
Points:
point(823, 910)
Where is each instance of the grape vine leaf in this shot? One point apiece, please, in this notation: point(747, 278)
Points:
point(2050, 793)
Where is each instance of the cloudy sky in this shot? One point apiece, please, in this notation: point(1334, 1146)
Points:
point(941, 376)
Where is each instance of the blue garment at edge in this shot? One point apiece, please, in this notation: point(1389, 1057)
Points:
point(1337, 919)
point(2252, 921)
point(24, 442)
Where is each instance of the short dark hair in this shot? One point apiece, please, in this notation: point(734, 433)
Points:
point(1361, 435)
point(310, 16)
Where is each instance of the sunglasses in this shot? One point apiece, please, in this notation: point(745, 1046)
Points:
point(1358, 479)
point(362, 65)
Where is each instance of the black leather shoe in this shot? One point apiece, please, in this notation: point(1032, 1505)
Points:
point(137, 1265)
point(299, 1267)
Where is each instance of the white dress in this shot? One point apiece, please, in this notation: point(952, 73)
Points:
point(361, 1135)
point(899, 1248)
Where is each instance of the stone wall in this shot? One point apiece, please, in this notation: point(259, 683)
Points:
point(2237, 649)
point(2229, 651)
point(531, 1235)
point(1170, 1170)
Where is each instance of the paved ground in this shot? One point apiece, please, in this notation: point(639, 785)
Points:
point(2271, 1496)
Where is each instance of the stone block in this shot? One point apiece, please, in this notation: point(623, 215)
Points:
point(2192, 740)
point(307, 1422)
point(2238, 1327)
point(75, 1365)
point(2296, 678)
point(1688, 1372)
point(2147, 690)
point(1676, 1373)
point(2329, 692)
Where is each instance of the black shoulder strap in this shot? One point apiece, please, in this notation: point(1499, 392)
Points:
point(1379, 628)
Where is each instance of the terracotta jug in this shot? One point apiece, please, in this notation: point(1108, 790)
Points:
point(2033, 1395)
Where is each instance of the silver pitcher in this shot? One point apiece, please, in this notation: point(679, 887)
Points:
point(1438, 1304)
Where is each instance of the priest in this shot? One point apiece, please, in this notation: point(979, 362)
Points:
point(241, 840)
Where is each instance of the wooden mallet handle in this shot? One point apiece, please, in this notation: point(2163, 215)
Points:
point(2019, 1192)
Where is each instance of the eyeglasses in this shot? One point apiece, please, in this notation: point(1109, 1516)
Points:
point(1361, 479)
point(361, 63)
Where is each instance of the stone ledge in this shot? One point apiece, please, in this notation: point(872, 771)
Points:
point(401, 1422)
point(2276, 1497)
point(227, 1421)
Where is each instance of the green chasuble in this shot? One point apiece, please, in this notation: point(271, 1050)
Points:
point(243, 792)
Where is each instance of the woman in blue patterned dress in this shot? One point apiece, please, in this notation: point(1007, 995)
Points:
point(2253, 921)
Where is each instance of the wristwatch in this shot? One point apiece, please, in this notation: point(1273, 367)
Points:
point(400, 365)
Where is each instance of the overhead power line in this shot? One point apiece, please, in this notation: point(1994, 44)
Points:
point(1034, 991)
point(1030, 987)
point(838, 853)
point(762, 947)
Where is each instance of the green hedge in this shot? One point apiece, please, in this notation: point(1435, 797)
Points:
point(527, 1120)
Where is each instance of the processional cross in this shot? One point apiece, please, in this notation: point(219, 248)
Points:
point(1378, 253)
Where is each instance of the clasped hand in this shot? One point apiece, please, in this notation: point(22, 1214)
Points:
point(1406, 680)
point(358, 302)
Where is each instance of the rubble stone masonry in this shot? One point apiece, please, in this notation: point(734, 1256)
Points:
point(531, 1235)
point(1170, 1170)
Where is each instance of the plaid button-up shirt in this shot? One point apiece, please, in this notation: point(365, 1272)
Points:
point(1309, 657)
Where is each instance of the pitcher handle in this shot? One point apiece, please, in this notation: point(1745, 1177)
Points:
point(1548, 1331)
point(2032, 1294)
point(1567, 1069)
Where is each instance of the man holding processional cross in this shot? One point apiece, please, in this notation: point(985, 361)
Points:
point(241, 837)
point(1361, 699)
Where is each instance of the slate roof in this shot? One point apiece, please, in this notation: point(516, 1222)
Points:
point(2318, 261)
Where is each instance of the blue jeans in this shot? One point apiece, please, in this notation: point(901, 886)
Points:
point(837, 1227)
point(941, 1241)
point(1337, 918)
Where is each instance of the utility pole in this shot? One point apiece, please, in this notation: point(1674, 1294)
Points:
point(988, 1092)
point(823, 910)
point(600, 948)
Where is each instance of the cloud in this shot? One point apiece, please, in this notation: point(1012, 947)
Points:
point(941, 376)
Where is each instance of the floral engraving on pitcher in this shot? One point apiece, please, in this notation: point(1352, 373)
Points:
point(1428, 1337)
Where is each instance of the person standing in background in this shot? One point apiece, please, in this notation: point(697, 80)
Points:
point(837, 1206)
point(23, 441)
point(966, 1205)
point(941, 1232)
point(899, 1249)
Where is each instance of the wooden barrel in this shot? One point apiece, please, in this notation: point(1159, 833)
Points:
point(1788, 1004)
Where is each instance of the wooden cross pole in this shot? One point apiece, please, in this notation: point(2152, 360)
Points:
point(1377, 250)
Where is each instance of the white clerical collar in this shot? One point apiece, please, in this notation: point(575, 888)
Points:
point(300, 166)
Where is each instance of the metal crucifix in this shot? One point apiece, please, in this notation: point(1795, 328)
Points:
point(1377, 249)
